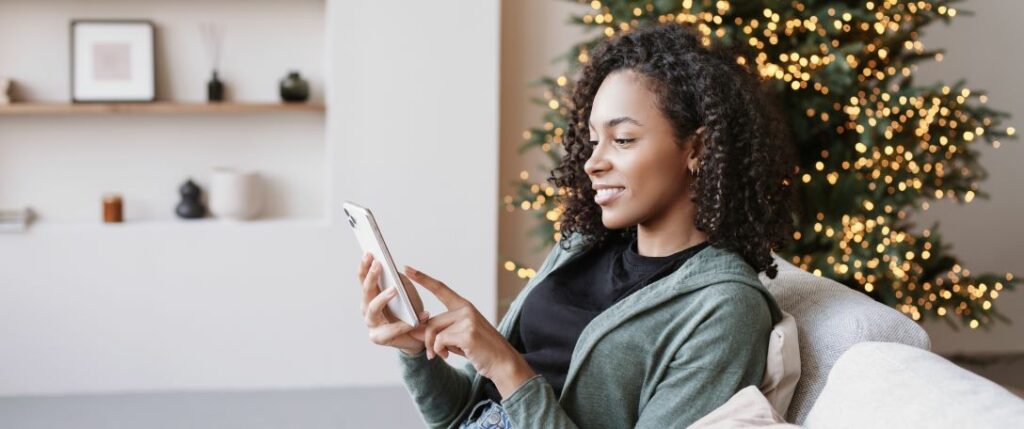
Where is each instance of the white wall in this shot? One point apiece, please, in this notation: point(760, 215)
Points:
point(171, 306)
point(414, 114)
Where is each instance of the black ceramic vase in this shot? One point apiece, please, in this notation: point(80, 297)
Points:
point(190, 207)
point(294, 88)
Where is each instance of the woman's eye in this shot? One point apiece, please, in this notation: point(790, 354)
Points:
point(619, 141)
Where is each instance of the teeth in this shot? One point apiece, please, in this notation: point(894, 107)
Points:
point(608, 191)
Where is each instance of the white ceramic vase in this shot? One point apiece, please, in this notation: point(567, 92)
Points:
point(5, 91)
point(235, 195)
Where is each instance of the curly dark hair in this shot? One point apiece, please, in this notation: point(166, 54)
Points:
point(743, 190)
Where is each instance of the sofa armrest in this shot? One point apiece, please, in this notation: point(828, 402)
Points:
point(877, 384)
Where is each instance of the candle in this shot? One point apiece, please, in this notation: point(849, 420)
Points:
point(112, 212)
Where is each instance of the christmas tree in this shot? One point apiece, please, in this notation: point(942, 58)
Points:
point(872, 145)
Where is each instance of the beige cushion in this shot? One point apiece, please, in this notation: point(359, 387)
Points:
point(748, 408)
point(832, 317)
point(782, 369)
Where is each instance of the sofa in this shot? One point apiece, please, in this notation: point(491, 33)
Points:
point(864, 365)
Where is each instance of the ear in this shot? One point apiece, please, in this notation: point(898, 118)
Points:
point(696, 148)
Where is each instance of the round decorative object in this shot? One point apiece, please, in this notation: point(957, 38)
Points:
point(190, 207)
point(235, 195)
point(294, 88)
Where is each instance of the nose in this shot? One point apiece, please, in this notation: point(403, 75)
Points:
point(596, 162)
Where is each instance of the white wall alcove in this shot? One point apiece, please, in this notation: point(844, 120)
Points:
point(411, 96)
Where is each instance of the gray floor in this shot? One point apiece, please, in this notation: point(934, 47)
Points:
point(312, 409)
point(321, 408)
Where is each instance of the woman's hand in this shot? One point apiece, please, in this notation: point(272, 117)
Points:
point(385, 329)
point(464, 331)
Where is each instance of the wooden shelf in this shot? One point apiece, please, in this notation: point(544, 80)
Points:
point(163, 107)
point(174, 224)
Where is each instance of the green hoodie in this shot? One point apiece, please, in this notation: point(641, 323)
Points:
point(664, 356)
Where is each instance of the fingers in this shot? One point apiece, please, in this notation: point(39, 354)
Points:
point(429, 334)
point(386, 333)
point(440, 342)
point(375, 308)
point(364, 265)
point(443, 293)
point(374, 304)
point(370, 285)
point(447, 341)
point(417, 333)
point(433, 327)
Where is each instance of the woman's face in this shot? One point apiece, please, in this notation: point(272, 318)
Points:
point(636, 151)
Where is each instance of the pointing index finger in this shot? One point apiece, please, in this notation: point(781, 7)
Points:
point(447, 296)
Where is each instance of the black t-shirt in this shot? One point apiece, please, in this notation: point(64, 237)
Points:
point(554, 314)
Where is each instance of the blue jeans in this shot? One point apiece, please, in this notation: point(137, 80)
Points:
point(492, 417)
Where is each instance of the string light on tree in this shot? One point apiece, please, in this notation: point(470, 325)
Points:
point(874, 145)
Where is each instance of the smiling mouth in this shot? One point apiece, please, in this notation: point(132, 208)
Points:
point(607, 195)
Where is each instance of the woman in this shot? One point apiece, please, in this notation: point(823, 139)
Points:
point(649, 313)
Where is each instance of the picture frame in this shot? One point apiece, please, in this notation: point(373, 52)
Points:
point(112, 61)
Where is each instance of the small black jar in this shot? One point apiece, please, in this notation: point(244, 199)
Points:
point(294, 88)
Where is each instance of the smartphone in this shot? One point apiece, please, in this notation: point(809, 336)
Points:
point(402, 306)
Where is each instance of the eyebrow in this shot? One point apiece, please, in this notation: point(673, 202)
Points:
point(619, 120)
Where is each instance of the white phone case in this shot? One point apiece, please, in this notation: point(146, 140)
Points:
point(370, 240)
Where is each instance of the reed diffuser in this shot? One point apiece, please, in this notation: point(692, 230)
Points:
point(213, 40)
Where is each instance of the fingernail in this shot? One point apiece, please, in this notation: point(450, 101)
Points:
point(391, 291)
point(375, 267)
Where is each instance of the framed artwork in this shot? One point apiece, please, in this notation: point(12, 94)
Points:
point(112, 61)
